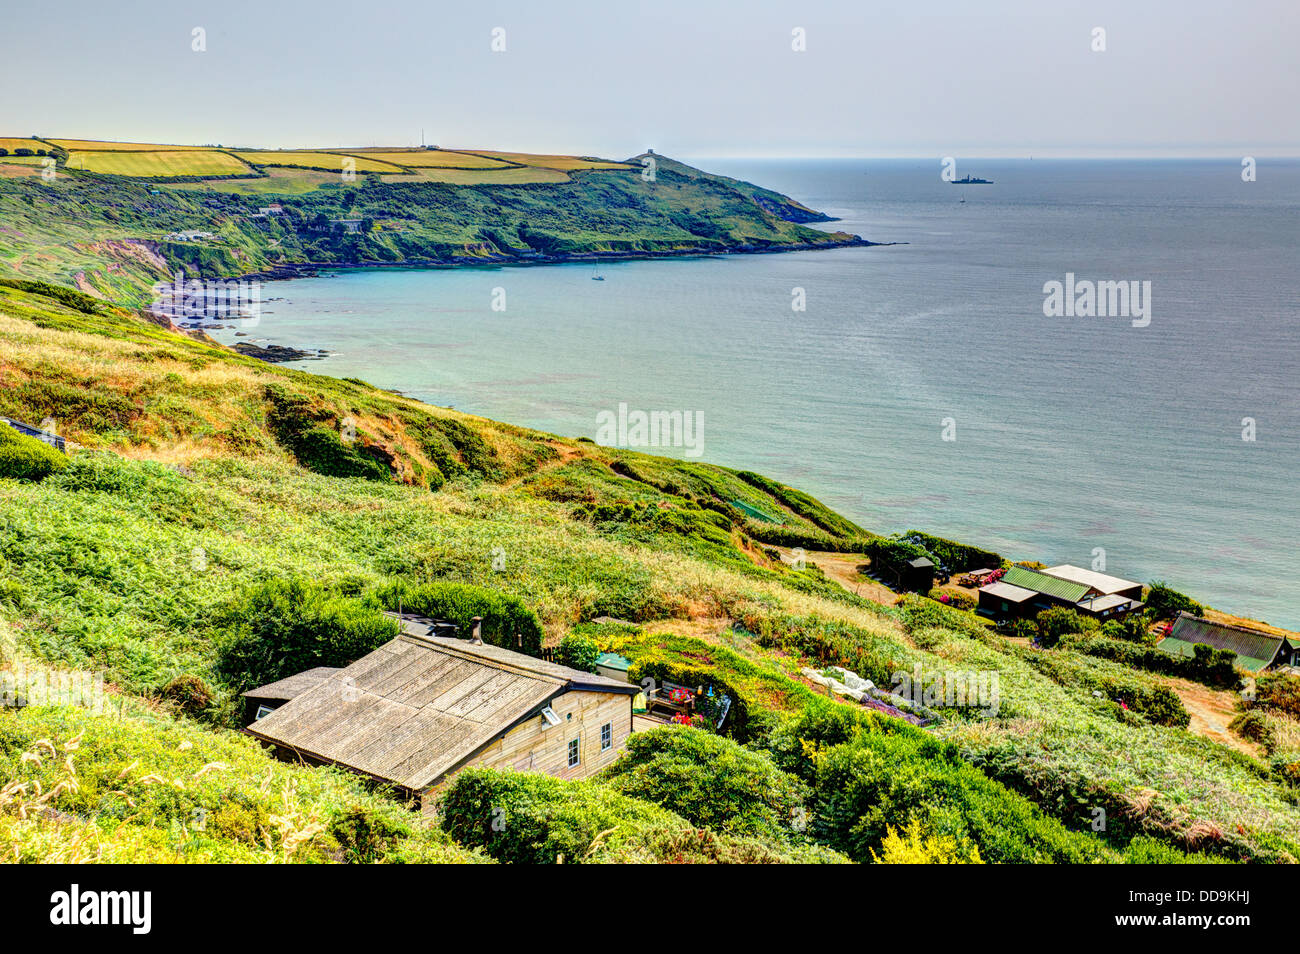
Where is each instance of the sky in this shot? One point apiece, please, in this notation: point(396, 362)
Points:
point(691, 79)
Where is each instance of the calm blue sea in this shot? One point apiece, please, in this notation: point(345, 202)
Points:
point(1071, 434)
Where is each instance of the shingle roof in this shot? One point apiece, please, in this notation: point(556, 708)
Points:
point(293, 686)
point(1008, 592)
point(417, 707)
point(1042, 583)
point(1254, 649)
point(1090, 578)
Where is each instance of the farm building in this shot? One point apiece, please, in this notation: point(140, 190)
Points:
point(1256, 650)
point(1006, 601)
point(422, 707)
point(1099, 584)
point(1007, 597)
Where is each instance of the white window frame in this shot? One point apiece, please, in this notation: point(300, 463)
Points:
point(263, 711)
point(607, 736)
point(575, 753)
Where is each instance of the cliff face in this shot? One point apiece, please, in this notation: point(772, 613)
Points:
point(91, 231)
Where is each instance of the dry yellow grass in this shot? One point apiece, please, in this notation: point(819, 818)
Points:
point(439, 158)
point(306, 159)
point(196, 162)
point(97, 145)
point(32, 144)
point(562, 163)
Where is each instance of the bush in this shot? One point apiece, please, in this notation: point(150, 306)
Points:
point(953, 556)
point(870, 773)
point(915, 847)
point(530, 818)
point(283, 627)
point(1214, 667)
point(1278, 691)
point(1060, 621)
point(507, 620)
point(26, 458)
point(1132, 628)
point(710, 781)
point(189, 694)
point(1165, 602)
point(578, 651)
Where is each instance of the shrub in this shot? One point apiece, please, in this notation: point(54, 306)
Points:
point(870, 773)
point(953, 556)
point(1214, 667)
point(189, 694)
point(578, 651)
point(1279, 691)
point(915, 847)
point(1166, 602)
point(1132, 628)
point(1061, 621)
point(283, 627)
point(530, 818)
point(507, 620)
point(710, 781)
point(26, 458)
point(1252, 726)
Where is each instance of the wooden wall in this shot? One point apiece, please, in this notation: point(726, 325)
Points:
point(530, 748)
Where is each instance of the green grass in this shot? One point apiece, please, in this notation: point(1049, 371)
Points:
point(194, 490)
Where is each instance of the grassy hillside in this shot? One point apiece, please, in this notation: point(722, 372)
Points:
point(201, 476)
point(100, 218)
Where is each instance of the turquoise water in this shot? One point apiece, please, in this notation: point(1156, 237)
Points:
point(1071, 434)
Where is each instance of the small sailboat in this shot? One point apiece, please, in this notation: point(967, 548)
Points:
point(596, 276)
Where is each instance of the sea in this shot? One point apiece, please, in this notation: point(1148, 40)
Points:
point(927, 384)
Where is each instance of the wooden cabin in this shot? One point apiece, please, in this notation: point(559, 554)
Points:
point(421, 708)
point(1006, 598)
point(1256, 650)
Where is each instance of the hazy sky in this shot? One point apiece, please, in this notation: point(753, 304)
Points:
point(686, 77)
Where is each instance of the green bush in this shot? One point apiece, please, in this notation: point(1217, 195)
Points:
point(531, 818)
point(578, 651)
point(283, 627)
point(26, 458)
point(953, 556)
point(1058, 621)
point(1165, 602)
point(871, 773)
point(710, 781)
point(1214, 667)
point(507, 620)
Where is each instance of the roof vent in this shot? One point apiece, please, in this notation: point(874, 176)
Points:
point(476, 633)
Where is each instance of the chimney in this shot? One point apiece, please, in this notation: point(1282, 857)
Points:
point(476, 633)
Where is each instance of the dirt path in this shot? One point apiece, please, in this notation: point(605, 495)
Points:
point(843, 569)
point(1211, 711)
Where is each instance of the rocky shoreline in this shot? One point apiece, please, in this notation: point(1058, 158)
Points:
point(304, 269)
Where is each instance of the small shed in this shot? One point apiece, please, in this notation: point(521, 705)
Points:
point(613, 666)
point(918, 575)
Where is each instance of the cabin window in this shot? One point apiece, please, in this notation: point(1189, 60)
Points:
point(573, 752)
point(263, 712)
point(606, 736)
